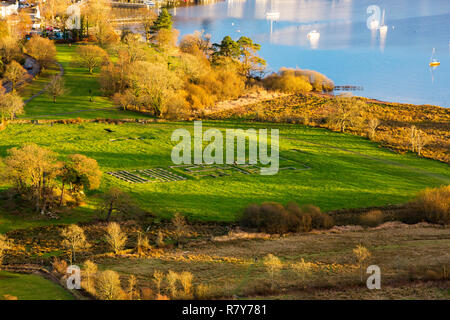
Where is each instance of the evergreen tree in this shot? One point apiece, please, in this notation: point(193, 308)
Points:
point(164, 21)
point(227, 48)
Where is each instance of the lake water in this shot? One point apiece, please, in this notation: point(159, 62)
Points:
point(391, 65)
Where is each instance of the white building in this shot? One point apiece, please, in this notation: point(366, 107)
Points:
point(7, 9)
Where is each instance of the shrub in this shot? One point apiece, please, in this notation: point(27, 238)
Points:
point(362, 254)
point(298, 81)
point(159, 239)
point(372, 218)
point(158, 277)
point(143, 245)
point(171, 279)
point(288, 82)
point(185, 279)
point(59, 266)
point(146, 293)
point(273, 217)
point(431, 205)
point(132, 293)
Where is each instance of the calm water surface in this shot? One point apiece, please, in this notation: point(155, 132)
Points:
point(392, 65)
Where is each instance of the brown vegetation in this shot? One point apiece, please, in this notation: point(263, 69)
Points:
point(431, 205)
point(275, 218)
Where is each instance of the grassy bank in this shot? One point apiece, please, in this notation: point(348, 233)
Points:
point(30, 287)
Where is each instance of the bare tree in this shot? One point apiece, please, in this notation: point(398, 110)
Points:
point(108, 286)
point(422, 139)
point(115, 238)
point(362, 254)
point(132, 292)
point(158, 277)
point(372, 125)
point(413, 137)
point(273, 265)
point(74, 239)
point(55, 87)
point(171, 279)
point(180, 225)
point(346, 111)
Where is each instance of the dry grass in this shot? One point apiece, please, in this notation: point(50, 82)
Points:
point(406, 255)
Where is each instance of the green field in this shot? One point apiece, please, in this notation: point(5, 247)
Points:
point(76, 100)
point(30, 287)
point(346, 171)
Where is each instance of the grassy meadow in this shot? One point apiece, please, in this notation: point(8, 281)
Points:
point(79, 87)
point(346, 171)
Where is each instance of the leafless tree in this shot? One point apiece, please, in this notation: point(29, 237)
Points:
point(74, 239)
point(372, 125)
point(55, 87)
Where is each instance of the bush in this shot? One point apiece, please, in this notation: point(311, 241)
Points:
point(287, 82)
point(431, 205)
point(372, 218)
point(298, 81)
point(273, 217)
point(59, 266)
point(146, 293)
point(203, 291)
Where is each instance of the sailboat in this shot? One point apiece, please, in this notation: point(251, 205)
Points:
point(313, 35)
point(272, 15)
point(383, 28)
point(433, 61)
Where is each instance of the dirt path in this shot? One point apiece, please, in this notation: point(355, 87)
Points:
point(61, 73)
